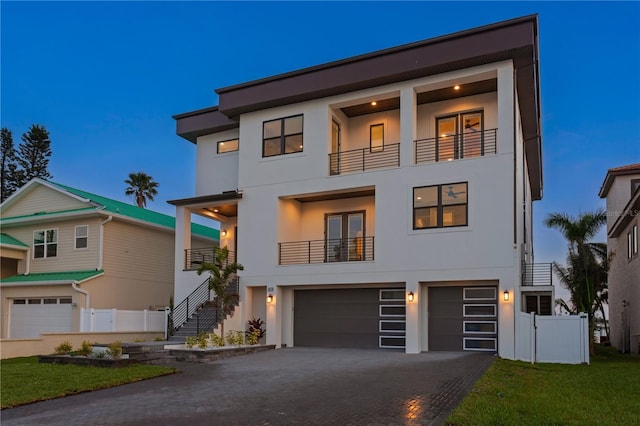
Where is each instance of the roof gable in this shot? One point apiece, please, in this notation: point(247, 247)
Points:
point(39, 192)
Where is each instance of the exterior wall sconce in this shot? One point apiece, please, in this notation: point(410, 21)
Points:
point(269, 298)
point(410, 297)
point(505, 296)
point(223, 232)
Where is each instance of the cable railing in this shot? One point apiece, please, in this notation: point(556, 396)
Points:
point(359, 160)
point(455, 147)
point(326, 251)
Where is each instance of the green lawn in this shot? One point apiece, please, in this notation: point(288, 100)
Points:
point(607, 392)
point(25, 380)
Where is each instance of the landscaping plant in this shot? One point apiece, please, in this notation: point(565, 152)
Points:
point(64, 348)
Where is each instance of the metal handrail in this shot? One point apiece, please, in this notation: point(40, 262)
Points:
point(359, 160)
point(326, 251)
point(193, 258)
point(185, 309)
point(454, 147)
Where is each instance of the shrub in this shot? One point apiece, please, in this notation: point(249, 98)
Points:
point(158, 339)
point(202, 340)
point(216, 340)
point(85, 349)
point(253, 337)
point(255, 326)
point(115, 349)
point(64, 348)
point(235, 338)
point(190, 341)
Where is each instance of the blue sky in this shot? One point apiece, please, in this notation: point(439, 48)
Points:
point(106, 77)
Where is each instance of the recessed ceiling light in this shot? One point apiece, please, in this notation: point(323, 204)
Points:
point(215, 210)
point(418, 198)
point(456, 87)
point(374, 103)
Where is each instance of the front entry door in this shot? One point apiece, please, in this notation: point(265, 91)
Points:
point(345, 237)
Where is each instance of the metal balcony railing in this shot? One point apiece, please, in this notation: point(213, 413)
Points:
point(454, 147)
point(537, 274)
point(326, 251)
point(359, 160)
point(193, 258)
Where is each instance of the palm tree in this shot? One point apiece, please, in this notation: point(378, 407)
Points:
point(221, 275)
point(142, 187)
point(585, 274)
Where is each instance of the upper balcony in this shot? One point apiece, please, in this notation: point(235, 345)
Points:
point(449, 147)
point(360, 160)
point(537, 274)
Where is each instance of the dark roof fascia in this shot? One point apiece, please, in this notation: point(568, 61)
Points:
point(491, 43)
point(628, 214)
point(611, 177)
point(202, 122)
point(225, 196)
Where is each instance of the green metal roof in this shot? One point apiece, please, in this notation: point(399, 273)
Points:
point(8, 239)
point(133, 212)
point(65, 277)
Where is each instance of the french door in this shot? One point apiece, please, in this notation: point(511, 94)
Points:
point(345, 236)
point(459, 136)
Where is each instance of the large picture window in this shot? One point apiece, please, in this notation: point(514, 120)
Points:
point(45, 243)
point(440, 206)
point(282, 136)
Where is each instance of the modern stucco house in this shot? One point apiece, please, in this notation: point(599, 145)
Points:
point(64, 249)
point(621, 188)
point(383, 200)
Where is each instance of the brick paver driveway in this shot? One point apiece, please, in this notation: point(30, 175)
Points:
point(293, 386)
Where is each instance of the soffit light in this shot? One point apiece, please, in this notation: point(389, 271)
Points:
point(456, 87)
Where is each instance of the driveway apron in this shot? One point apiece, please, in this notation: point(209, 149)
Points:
point(292, 386)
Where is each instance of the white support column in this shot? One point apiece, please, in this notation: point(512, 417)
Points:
point(407, 125)
point(182, 243)
point(413, 318)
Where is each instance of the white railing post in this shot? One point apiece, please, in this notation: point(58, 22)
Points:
point(145, 325)
point(167, 311)
point(92, 320)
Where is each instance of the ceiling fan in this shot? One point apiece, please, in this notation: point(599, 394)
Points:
point(453, 194)
point(472, 127)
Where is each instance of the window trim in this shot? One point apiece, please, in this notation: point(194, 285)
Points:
point(439, 207)
point(75, 239)
point(283, 136)
point(237, 140)
point(634, 238)
point(45, 244)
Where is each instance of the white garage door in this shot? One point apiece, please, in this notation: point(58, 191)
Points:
point(35, 315)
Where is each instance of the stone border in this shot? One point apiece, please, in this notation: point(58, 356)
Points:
point(213, 354)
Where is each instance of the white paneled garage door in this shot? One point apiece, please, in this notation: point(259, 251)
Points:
point(34, 315)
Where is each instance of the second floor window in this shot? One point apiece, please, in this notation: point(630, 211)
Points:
point(440, 206)
point(282, 136)
point(82, 236)
point(227, 146)
point(376, 137)
point(45, 243)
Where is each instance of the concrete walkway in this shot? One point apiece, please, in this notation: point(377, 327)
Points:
point(293, 386)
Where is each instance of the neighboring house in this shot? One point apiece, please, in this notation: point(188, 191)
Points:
point(621, 188)
point(380, 201)
point(64, 249)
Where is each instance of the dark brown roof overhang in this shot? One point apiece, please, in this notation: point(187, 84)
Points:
point(204, 199)
point(202, 122)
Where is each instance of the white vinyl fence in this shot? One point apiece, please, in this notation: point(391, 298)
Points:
point(121, 320)
point(559, 339)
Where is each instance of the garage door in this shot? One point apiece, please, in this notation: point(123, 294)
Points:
point(463, 318)
point(32, 316)
point(350, 318)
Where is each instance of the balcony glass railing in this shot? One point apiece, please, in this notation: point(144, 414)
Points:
point(455, 147)
point(326, 251)
point(359, 160)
